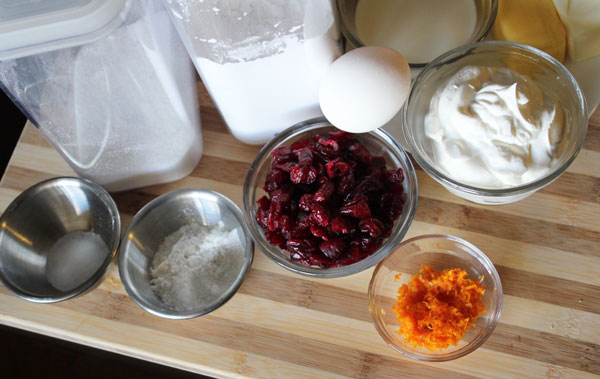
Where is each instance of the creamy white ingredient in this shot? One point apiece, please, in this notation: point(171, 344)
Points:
point(493, 128)
point(364, 88)
point(419, 29)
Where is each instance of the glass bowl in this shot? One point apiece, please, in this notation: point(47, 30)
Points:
point(546, 72)
point(378, 142)
point(485, 13)
point(441, 252)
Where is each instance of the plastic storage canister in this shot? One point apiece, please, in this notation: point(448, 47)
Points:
point(108, 83)
point(261, 60)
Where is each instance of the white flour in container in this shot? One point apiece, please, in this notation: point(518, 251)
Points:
point(195, 265)
point(261, 60)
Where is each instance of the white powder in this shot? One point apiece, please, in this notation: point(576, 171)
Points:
point(122, 110)
point(195, 265)
point(261, 60)
point(74, 259)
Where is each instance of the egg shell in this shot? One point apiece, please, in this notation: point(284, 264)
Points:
point(364, 88)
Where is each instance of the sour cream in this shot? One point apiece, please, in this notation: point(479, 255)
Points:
point(494, 128)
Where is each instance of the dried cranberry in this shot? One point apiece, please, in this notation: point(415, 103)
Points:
point(337, 168)
point(262, 217)
point(319, 232)
point(276, 179)
point(330, 202)
point(395, 176)
point(345, 185)
point(275, 238)
point(303, 221)
point(332, 248)
point(281, 154)
point(341, 225)
point(300, 144)
point(360, 153)
point(286, 166)
point(281, 196)
point(306, 202)
point(263, 203)
point(371, 226)
point(324, 192)
point(357, 207)
point(305, 156)
point(319, 215)
point(303, 174)
point(336, 135)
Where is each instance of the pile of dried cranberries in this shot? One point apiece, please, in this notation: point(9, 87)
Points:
point(330, 202)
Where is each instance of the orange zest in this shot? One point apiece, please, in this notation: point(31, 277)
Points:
point(437, 308)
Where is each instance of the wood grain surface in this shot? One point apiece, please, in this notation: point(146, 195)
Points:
point(279, 324)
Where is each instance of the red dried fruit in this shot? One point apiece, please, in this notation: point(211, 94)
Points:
point(263, 203)
point(360, 153)
point(324, 192)
point(337, 168)
point(306, 202)
point(328, 142)
point(319, 232)
point(300, 144)
point(303, 174)
point(281, 196)
point(357, 207)
point(281, 154)
point(305, 156)
point(332, 248)
point(341, 225)
point(287, 166)
point(330, 203)
point(275, 238)
point(346, 185)
point(395, 176)
point(262, 217)
point(336, 135)
point(319, 215)
point(371, 226)
point(303, 221)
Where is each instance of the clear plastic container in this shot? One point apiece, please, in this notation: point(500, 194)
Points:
point(261, 60)
point(108, 83)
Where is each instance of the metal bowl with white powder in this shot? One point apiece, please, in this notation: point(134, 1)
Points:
point(185, 253)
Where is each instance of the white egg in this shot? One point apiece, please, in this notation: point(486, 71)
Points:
point(364, 88)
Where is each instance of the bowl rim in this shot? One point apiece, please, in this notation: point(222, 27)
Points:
point(192, 313)
point(457, 54)
point(484, 335)
point(389, 244)
point(356, 41)
point(97, 277)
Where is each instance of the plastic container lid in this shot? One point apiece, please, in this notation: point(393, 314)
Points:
point(29, 27)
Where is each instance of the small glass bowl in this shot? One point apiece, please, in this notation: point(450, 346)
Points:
point(378, 142)
point(441, 252)
point(546, 72)
point(485, 13)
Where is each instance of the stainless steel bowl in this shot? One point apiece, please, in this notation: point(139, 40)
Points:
point(160, 218)
point(57, 239)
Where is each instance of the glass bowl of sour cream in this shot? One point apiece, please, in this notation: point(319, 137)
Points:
point(493, 122)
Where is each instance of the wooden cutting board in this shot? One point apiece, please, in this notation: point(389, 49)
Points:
point(546, 249)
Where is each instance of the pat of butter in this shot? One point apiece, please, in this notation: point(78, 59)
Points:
point(582, 20)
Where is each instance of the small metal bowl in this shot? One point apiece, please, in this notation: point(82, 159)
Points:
point(160, 218)
point(57, 239)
